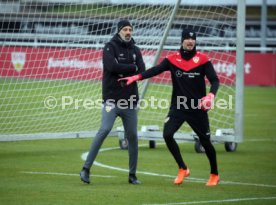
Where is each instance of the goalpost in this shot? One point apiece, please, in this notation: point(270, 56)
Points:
point(51, 69)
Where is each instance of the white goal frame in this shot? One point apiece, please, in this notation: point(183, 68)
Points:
point(236, 136)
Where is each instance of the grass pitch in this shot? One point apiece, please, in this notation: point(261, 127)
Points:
point(46, 171)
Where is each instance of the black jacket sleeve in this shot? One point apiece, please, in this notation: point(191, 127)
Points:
point(139, 61)
point(156, 70)
point(212, 77)
point(112, 65)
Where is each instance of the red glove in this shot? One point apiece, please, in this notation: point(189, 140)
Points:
point(207, 102)
point(131, 79)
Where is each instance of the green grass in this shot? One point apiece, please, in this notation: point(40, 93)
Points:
point(23, 105)
point(252, 168)
point(23, 110)
point(260, 112)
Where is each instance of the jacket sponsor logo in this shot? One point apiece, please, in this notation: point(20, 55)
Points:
point(179, 74)
point(18, 60)
point(121, 57)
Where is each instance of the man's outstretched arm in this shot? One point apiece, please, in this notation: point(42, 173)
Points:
point(156, 70)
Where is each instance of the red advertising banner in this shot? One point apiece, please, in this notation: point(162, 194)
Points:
point(50, 63)
point(261, 69)
point(86, 64)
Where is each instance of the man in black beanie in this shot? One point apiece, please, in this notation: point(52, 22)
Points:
point(121, 58)
point(188, 41)
point(189, 102)
point(125, 30)
point(122, 24)
point(188, 33)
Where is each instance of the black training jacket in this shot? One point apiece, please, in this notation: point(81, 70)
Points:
point(120, 59)
point(188, 77)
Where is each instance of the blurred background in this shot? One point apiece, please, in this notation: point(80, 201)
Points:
point(60, 21)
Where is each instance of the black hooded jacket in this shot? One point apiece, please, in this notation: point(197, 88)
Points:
point(120, 59)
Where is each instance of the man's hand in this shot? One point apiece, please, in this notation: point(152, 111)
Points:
point(207, 102)
point(131, 79)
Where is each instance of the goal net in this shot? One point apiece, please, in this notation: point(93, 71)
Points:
point(51, 61)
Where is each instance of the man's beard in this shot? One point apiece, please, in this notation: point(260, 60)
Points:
point(127, 38)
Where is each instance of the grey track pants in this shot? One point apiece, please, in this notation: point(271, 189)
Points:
point(129, 118)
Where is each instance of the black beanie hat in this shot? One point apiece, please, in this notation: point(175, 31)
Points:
point(188, 33)
point(122, 24)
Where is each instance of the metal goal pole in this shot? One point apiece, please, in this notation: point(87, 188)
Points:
point(239, 111)
point(161, 45)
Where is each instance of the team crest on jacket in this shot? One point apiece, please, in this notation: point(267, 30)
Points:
point(196, 59)
point(108, 108)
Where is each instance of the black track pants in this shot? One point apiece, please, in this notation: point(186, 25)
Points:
point(199, 122)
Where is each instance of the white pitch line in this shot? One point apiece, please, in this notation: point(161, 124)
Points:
point(218, 201)
point(147, 173)
point(191, 179)
point(248, 184)
point(260, 140)
point(63, 174)
point(84, 155)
